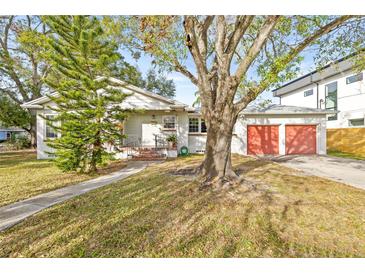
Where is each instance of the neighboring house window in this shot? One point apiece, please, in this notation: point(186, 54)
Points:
point(169, 122)
point(308, 93)
point(356, 122)
point(193, 124)
point(197, 125)
point(203, 127)
point(50, 131)
point(331, 99)
point(354, 78)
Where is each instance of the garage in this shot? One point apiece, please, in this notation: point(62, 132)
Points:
point(281, 130)
point(263, 139)
point(300, 139)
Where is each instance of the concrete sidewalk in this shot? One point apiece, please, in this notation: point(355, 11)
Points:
point(16, 212)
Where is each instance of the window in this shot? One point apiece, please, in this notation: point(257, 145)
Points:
point(356, 122)
point(50, 131)
point(308, 93)
point(168, 122)
point(203, 127)
point(193, 124)
point(331, 99)
point(354, 78)
point(197, 125)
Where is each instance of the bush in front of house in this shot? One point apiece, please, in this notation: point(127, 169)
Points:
point(19, 142)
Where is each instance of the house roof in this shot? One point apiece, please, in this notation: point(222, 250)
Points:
point(37, 103)
point(283, 109)
point(274, 109)
point(339, 66)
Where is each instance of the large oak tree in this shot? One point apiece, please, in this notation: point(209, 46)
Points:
point(23, 69)
point(237, 58)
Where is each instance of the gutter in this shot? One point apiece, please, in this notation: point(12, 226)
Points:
point(32, 106)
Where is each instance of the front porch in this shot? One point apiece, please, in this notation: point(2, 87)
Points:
point(147, 133)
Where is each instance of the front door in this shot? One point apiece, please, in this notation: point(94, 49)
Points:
point(149, 133)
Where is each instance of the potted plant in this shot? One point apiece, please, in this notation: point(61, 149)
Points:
point(172, 140)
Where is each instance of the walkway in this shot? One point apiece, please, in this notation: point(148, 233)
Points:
point(17, 212)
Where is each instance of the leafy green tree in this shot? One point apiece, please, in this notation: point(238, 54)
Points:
point(159, 84)
point(128, 73)
point(89, 116)
point(11, 114)
point(23, 69)
point(237, 58)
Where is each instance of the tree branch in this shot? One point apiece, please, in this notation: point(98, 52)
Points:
point(286, 59)
point(256, 46)
point(241, 25)
point(182, 69)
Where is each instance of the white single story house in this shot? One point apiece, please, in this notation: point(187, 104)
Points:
point(274, 130)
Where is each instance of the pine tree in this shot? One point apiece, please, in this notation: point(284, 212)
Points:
point(89, 117)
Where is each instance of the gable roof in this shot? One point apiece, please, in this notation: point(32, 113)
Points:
point(38, 103)
point(283, 109)
point(339, 66)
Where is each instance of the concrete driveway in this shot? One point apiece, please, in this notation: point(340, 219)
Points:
point(347, 171)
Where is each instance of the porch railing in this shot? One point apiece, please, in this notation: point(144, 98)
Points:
point(133, 145)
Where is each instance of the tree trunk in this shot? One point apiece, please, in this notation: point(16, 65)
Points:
point(216, 166)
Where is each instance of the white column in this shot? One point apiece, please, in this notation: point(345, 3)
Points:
point(282, 139)
point(182, 130)
point(322, 137)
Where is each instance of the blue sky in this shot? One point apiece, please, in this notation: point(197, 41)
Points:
point(185, 89)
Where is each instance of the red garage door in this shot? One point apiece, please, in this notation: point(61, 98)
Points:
point(300, 139)
point(262, 139)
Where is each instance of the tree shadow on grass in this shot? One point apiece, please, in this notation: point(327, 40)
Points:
point(153, 215)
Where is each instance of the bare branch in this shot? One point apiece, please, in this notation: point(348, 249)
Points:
point(220, 40)
point(182, 69)
point(241, 25)
point(256, 46)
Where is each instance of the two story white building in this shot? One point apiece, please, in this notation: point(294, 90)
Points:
point(337, 86)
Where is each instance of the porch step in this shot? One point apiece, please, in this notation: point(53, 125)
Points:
point(147, 158)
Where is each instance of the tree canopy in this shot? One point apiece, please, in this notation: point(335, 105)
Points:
point(236, 58)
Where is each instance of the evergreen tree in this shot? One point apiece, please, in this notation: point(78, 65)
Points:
point(89, 117)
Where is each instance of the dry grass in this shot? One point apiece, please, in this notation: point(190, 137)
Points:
point(23, 176)
point(277, 212)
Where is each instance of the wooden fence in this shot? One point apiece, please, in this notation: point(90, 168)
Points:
point(349, 140)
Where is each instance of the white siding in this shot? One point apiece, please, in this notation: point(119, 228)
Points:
point(350, 98)
point(182, 130)
point(42, 147)
point(282, 120)
point(139, 101)
point(297, 98)
point(133, 124)
point(197, 143)
point(239, 139)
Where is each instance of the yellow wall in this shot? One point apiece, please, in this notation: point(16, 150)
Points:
point(350, 140)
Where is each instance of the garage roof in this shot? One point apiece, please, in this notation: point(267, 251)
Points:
point(283, 109)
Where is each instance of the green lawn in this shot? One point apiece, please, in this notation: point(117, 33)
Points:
point(23, 176)
point(344, 155)
point(156, 213)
